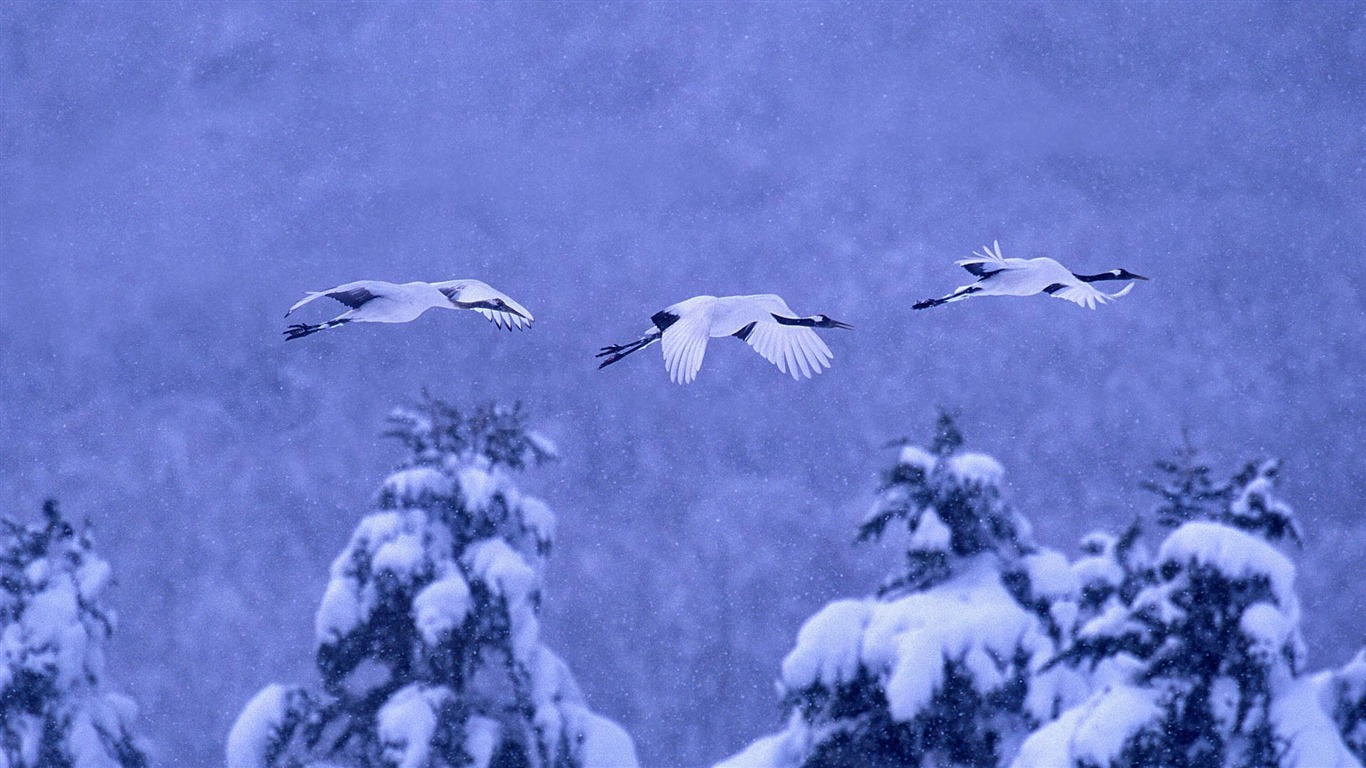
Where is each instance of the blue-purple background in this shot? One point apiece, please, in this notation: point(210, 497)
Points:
point(172, 176)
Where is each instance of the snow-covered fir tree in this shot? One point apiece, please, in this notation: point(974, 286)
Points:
point(1111, 570)
point(428, 634)
point(944, 665)
point(54, 710)
point(1342, 694)
point(1203, 666)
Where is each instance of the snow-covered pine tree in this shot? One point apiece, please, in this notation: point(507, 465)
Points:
point(428, 634)
point(943, 665)
point(54, 711)
point(1203, 667)
point(1342, 694)
point(1111, 570)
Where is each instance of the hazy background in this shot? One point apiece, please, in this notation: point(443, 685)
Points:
point(173, 176)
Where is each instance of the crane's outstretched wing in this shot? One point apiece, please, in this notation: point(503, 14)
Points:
point(795, 349)
point(685, 344)
point(986, 263)
point(493, 304)
point(353, 295)
point(1085, 294)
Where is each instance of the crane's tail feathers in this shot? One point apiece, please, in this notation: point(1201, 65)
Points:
point(987, 254)
point(615, 352)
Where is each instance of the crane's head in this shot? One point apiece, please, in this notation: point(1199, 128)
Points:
point(825, 321)
point(1114, 274)
point(814, 321)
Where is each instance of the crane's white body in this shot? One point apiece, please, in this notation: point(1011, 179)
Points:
point(377, 301)
point(684, 329)
point(999, 276)
point(391, 302)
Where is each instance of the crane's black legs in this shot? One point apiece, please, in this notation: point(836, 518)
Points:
point(615, 352)
point(300, 330)
point(927, 303)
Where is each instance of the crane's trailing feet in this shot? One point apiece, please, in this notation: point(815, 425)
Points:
point(615, 352)
point(300, 330)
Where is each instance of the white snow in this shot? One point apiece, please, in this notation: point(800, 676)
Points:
point(1267, 627)
point(976, 469)
point(478, 487)
point(602, 743)
point(537, 518)
point(1311, 737)
point(1345, 683)
point(340, 610)
point(402, 556)
point(915, 456)
point(53, 631)
point(256, 727)
point(768, 752)
point(551, 679)
point(1237, 554)
point(1093, 733)
point(1111, 622)
point(1098, 569)
point(372, 531)
point(37, 572)
point(92, 578)
point(829, 646)
point(906, 642)
point(1050, 575)
point(481, 739)
point(393, 543)
point(931, 534)
point(441, 606)
point(499, 566)
point(543, 444)
point(407, 722)
point(416, 486)
point(787, 749)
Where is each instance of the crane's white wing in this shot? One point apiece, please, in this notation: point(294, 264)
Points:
point(353, 295)
point(685, 344)
point(474, 291)
point(1086, 295)
point(796, 349)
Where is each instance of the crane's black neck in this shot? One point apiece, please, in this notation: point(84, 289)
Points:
point(1097, 278)
point(809, 322)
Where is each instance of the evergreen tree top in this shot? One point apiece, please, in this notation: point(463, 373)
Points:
point(951, 503)
point(439, 433)
point(1246, 501)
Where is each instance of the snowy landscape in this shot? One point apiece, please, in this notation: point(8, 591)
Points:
point(1122, 529)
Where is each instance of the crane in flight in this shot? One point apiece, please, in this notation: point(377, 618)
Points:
point(763, 321)
point(997, 276)
point(375, 301)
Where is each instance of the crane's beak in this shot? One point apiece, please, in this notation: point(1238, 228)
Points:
point(838, 324)
point(1138, 277)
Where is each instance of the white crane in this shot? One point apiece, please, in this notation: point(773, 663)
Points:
point(997, 276)
point(762, 321)
point(375, 301)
